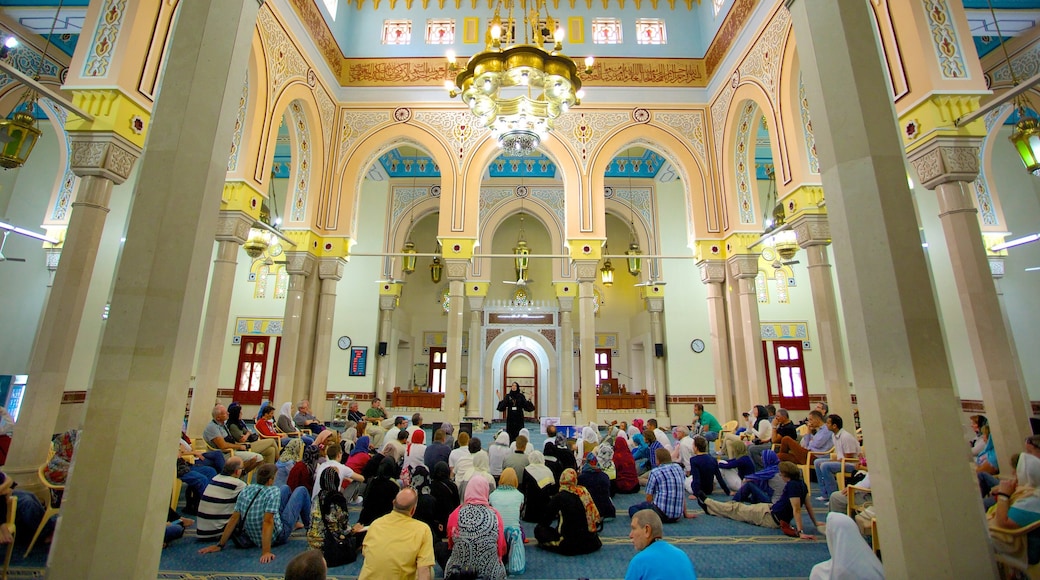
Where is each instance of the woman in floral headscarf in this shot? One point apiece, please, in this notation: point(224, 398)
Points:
point(302, 473)
point(579, 520)
point(291, 455)
point(57, 470)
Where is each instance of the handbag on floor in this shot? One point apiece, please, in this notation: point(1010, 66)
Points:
point(516, 559)
point(239, 537)
point(339, 550)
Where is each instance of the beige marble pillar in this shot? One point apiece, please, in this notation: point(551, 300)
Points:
point(101, 160)
point(456, 273)
point(655, 305)
point(996, 268)
point(384, 368)
point(741, 395)
point(586, 273)
point(949, 166)
point(300, 266)
point(148, 347)
point(566, 354)
point(748, 353)
point(918, 467)
point(305, 350)
point(232, 232)
point(814, 235)
point(713, 275)
point(475, 382)
point(330, 272)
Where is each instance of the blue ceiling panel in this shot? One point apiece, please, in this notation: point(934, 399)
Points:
point(646, 165)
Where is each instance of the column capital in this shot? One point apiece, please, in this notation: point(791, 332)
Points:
point(743, 265)
point(242, 196)
point(53, 257)
point(996, 266)
point(712, 271)
point(477, 288)
point(945, 159)
point(331, 268)
point(233, 226)
point(102, 154)
point(566, 303)
point(812, 230)
point(654, 304)
point(586, 270)
point(300, 263)
point(474, 303)
point(387, 301)
point(455, 269)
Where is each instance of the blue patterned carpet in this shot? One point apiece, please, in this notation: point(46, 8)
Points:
point(719, 549)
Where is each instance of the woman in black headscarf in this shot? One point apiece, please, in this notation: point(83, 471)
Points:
point(380, 493)
point(330, 511)
point(514, 405)
point(444, 492)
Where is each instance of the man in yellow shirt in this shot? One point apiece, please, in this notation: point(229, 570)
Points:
point(396, 546)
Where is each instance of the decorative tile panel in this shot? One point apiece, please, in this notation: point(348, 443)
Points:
point(240, 120)
point(68, 179)
point(99, 57)
point(301, 162)
point(749, 116)
point(945, 40)
point(586, 130)
point(691, 126)
point(261, 326)
point(457, 127)
point(785, 330)
point(357, 123)
point(807, 130)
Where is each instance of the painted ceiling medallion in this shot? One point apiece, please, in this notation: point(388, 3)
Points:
point(586, 249)
point(402, 114)
point(641, 115)
point(137, 124)
point(456, 248)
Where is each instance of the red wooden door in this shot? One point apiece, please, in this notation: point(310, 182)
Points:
point(790, 375)
point(252, 365)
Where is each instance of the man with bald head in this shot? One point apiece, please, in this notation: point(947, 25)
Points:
point(656, 559)
point(397, 546)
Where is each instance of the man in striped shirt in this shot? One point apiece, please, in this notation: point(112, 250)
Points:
point(218, 501)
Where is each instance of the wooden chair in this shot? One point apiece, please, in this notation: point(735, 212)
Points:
point(807, 467)
point(843, 474)
point(231, 453)
point(1019, 540)
point(53, 505)
point(12, 507)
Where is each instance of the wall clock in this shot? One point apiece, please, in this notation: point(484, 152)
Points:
point(343, 342)
point(697, 345)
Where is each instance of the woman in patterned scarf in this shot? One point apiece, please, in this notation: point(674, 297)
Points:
point(57, 469)
point(302, 474)
point(291, 455)
point(579, 520)
point(475, 536)
point(329, 513)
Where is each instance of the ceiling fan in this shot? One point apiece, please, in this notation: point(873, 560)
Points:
point(4, 258)
point(777, 263)
point(521, 283)
point(651, 282)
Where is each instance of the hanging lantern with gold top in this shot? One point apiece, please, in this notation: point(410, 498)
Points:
point(522, 253)
point(635, 260)
point(436, 270)
point(19, 134)
point(408, 261)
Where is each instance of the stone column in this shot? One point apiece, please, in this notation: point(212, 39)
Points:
point(566, 354)
point(305, 350)
point(149, 343)
point(330, 272)
point(950, 166)
point(232, 232)
point(899, 363)
point(101, 160)
point(713, 275)
point(586, 273)
point(475, 385)
point(456, 273)
point(814, 235)
point(655, 305)
point(996, 268)
point(387, 303)
point(741, 395)
point(748, 353)
point(300, 266)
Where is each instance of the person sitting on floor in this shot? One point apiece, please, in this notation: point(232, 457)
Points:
point(659, 435)
point(218, 501)
point(309, 565)
point(627, 479)
point(398, 546)
point(597, 482)
point(518, 459)
point(851, 557)
point(460, 459)
point(291, 455)
point(656, 559)
point(779, 514)
point(414, 456)
point(380, 492)
point(682, 452)
point(538, 484)
point(175, 525)
point(758, 487)
point(351, 480)
point(479, 469)
point(360, 455)
point(305, 421)
point(704, 470)
point(438, 450)
point(578, 520)
point(497, 452)
point(640, 454)
point(302, 472)
point(445, 493)
point(329, 514)
point(782, 427)
point(508, 500)
point(476, 536)
point(665, 493)
point(270, 514)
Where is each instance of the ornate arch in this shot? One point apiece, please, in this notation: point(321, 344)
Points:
point(245, 155)
point(794, 117)
point(535, 208)
point(299, 208)
point(749, 103)
point(549, 365)
point(338, 213)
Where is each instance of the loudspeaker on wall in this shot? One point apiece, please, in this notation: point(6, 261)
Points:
point(382, 349)
point(658, 349)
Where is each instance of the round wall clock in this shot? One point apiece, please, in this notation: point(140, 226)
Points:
point(697, 345)
point(343, 342)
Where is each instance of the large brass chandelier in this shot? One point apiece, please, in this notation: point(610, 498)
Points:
point(517, 89)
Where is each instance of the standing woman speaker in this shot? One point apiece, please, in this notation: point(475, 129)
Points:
point(514, 405)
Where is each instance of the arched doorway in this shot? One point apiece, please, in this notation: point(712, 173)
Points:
point(505, 347)
point(521, 367)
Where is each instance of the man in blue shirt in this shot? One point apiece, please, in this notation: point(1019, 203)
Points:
point(271, 513)
point(665, 493)
point(656, 559)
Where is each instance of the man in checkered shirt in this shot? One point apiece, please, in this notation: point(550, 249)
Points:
point(271, 513)
point(664, 490)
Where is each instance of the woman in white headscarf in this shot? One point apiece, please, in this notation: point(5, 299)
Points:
point(497, 452)
point(480, 468)
point(851, 557)
point(285, 421)
point(588, 441)
point(538, 484)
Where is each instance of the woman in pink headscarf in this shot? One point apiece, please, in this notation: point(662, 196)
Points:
point(476, 536)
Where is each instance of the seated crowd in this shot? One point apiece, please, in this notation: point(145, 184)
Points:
point(453, 504)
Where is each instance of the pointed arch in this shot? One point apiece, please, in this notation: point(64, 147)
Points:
point(749, 103)
point(297, 100)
